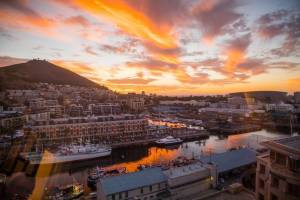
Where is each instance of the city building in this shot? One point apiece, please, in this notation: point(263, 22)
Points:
point(135, 104)
point(297, 97)
point(37, 104)
point(104, 129)
point(190, 180)
point(105, 109)
point(11, 119)
point(190, 102)
point(56, 111)
point(154, 183)
point(265, 96)
point(278, 171)
point(232, 161)
point(38, 116)
point(282, 107)
point(144, 184)
point(75, 110)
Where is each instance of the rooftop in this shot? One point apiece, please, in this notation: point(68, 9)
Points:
point(184, 170)
point(126, 182)
point(291, 142)
point(289, 145)
point(231, 159)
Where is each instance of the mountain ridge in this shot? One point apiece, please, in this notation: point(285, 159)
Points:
point(25, 75)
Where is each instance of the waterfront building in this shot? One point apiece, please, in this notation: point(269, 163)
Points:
point(190, 180)
point(155, 183)
point(144, 184)
point(105, 129)
point(278, 171)
point(240, 159)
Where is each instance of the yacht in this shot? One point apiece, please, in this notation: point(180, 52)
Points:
point(68, 153)
point(169, 140)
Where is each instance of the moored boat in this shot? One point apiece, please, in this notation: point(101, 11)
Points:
point(67, 192)
point(169, 140)
point(68, 153)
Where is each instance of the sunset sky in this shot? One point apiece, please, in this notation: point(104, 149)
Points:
point(172, 47)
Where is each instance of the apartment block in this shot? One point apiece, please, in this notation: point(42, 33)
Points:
point(278, 171)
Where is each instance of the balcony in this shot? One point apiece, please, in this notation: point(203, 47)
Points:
point(284, 171)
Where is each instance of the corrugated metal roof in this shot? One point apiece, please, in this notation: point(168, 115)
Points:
point(231, 159)
point(126, 182)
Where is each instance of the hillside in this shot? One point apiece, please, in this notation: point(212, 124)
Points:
point(24, 75)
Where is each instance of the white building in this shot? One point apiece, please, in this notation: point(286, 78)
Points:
point(279, 107)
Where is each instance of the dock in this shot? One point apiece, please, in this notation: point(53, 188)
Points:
point(148, 141)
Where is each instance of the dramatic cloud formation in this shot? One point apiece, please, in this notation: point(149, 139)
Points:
point(165, 46)
point(215, 15)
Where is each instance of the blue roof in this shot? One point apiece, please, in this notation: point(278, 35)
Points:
point(231, 159)
point(126, 182)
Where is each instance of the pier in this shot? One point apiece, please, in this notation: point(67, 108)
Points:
point(148, 141)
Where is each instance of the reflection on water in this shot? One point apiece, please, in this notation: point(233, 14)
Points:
point(131, 158)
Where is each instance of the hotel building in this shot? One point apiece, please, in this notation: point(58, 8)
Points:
point(103, 129)
point(278, 171)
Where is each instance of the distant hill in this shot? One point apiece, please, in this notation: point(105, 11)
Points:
point(24, 75)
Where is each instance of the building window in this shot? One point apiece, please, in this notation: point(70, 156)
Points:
point(261, 196)
point(274, 197)
point(272, 155)
point(150, 188)
point(293, 190)
point(274, 181)
point(294, 165)
point(142, 190)
point(280, 159)
point(261, 184)
point(113, 197)
point(126, 194)
point(262, 169)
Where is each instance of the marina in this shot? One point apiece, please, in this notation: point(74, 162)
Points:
point(131, 159)
point(67, 153)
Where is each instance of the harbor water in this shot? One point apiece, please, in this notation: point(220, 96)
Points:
point(131, 158)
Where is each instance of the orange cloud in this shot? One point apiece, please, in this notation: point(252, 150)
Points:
point(129, 20)
point(28, 22)
point(234, 57)
point(130, 81)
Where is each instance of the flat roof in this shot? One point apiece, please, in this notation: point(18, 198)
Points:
point(184, 170)
point(291, 142)
point(130, 181)
point(289, 145)
point(231, 159)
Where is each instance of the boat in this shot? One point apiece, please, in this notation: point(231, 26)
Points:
point(169, 140)
point(95, 174)
point(69, 153)
point(68, 192)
